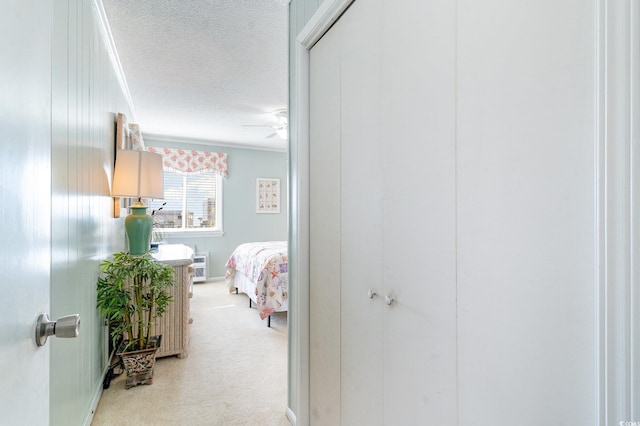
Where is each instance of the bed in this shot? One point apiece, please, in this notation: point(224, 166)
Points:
point(260, 270)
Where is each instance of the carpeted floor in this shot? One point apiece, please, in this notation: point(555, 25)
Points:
point(235, 374)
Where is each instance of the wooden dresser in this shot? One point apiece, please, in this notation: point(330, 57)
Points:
point(175, 323)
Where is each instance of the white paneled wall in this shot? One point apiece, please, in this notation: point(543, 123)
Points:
point(86, 96)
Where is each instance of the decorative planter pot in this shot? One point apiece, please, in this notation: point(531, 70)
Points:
point(139, 363)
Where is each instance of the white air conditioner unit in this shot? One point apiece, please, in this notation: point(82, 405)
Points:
point(200, 261)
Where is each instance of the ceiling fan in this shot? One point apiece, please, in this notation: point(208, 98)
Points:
point(280, 126)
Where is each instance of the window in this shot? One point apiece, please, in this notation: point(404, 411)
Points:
point(192, 192)
point(191, 203)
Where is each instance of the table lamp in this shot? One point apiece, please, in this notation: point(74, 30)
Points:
point(138, 174)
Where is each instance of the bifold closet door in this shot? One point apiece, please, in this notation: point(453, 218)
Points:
point(383, 217)
point(527, 266)
point(419, 212)
point(324, 233)
point(363, 177)
point(346, 180)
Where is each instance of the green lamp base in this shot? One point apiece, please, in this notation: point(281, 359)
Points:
point(138, 225)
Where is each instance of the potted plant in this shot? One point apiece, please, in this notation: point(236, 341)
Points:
point(132, 293)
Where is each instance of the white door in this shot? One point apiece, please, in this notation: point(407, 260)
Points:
point(418, 122)
point(527, 265)
point(324, 249)
point(25, 197)
point(481, 223)
point(361, 219)
point(346, 257)
point(375, 176)
point(345, 226)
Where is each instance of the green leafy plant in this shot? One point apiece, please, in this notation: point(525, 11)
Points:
point(132, 293)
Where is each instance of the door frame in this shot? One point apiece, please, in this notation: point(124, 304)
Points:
point(324, 17)
point(618, 201)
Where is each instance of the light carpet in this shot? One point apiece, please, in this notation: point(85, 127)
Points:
point(235, 374)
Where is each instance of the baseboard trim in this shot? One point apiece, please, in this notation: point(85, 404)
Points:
point(96, 398)
point(291, 416)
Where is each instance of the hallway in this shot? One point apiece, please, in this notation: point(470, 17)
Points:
point(235, 373)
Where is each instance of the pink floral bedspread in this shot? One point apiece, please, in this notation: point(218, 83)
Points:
point(266, 265)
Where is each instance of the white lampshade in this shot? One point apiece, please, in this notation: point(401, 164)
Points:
point(138, 174)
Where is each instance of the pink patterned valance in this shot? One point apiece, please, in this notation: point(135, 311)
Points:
point(191, 162)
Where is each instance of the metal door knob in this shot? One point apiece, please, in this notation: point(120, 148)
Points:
point(65, 327)
point(389, 300)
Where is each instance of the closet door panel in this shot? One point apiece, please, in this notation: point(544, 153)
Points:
point(324, 217)
point(526, 229)
point(361, 200)
point(419, 212)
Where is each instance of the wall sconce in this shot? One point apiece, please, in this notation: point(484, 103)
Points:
point(138, 174)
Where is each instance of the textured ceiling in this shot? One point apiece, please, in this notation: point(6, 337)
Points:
point(201, 69)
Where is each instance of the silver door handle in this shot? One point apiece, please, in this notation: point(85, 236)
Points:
point(68, 326)
point(372, 293)
point(389, 300)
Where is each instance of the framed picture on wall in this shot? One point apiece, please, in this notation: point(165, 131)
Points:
point(267, 195)
point(123, 135)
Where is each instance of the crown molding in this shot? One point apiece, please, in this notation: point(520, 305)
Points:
point(105, 30)
point(210, 143)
